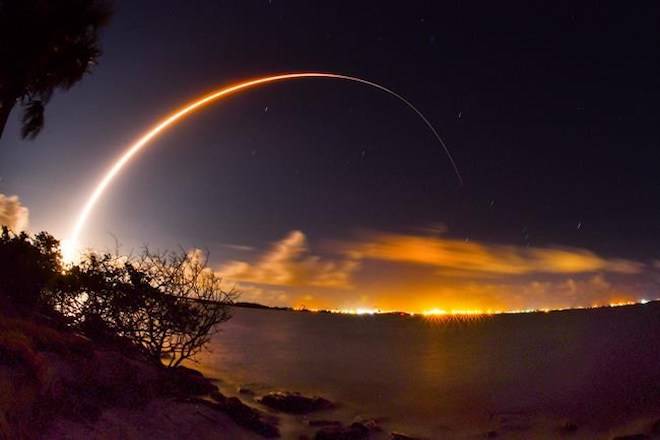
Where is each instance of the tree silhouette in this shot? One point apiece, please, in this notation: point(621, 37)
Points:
point(28, 266)
point(44, 46)
point(168, 305)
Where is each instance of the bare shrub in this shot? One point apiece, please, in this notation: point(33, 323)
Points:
point(167, 304)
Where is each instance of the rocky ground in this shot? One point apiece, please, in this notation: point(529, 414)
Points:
point(164, 419)
point(55, 384)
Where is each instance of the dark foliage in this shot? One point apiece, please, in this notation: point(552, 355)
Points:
point(45, 45)
point(169, 305)
point(166, 306)
point(28, 266)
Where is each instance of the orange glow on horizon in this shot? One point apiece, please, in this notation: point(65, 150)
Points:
point(442, 312)
point(466, 314)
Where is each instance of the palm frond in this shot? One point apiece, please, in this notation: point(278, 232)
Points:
point(33, 119)
point(51, 46)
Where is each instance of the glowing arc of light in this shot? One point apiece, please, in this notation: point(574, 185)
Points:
point(69, 246)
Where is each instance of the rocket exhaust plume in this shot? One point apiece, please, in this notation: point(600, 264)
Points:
point(69, 246)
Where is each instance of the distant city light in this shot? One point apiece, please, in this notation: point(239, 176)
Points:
point(436, 312)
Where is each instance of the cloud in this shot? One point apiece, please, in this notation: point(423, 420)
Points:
point(271, 297)
point(12, 213)
point(289, 263)
point(238, 247)
point(470, 258)
point(594, 290)
point(424, 269)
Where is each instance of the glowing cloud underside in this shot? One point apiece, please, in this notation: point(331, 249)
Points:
point(69, 246)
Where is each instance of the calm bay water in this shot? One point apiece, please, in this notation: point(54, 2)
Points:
point(598, 368)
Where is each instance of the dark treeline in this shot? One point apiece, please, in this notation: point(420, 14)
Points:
point(165, 305)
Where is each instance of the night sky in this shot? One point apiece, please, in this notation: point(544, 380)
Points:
point(330, 194)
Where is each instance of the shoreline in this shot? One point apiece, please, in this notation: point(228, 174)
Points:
point(451, 397)
point(441, 314)
point(59, 385)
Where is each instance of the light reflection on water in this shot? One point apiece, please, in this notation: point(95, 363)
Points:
point(595, 367)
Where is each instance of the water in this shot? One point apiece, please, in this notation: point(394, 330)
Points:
point(518, 373)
